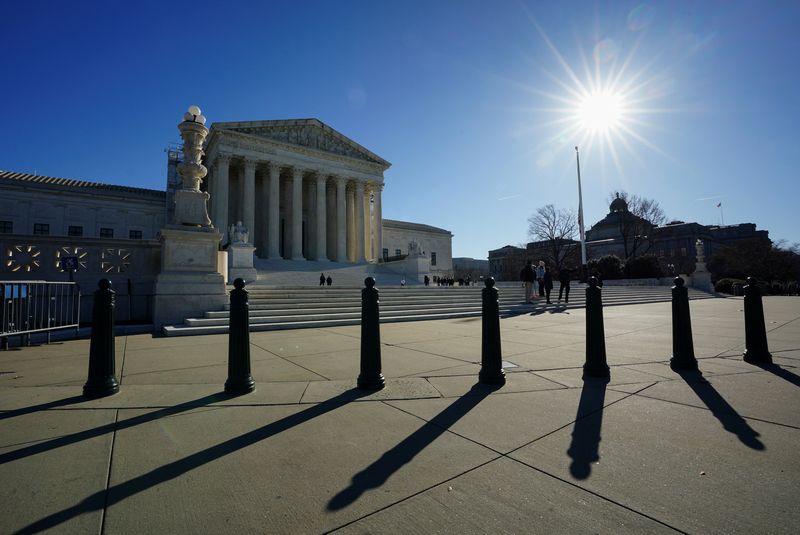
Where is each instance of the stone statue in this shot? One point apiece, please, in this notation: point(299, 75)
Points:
point(698, 245)
point(238, 233)
point(413, 247)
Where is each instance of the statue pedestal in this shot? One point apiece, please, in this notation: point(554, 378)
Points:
point(189, 284)
point(701, 279)
point(240, 262)
point(190, 207)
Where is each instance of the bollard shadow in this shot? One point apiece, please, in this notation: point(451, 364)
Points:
point(376, 474)
point(41, 407)
point(66, 440)
point(781, 372)
point(117, 493)
point(584, 449)
point(722, 410)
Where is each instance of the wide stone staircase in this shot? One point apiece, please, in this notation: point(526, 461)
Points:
point(274, 308)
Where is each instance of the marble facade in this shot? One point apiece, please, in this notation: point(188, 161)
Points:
point(302, 189)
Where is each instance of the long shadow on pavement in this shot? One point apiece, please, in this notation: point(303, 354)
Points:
point(41, 407)
point(780, 372)
point(73, 438)
point(121, 491)
point(390, 462)
point(585, 446)
point(722, 410)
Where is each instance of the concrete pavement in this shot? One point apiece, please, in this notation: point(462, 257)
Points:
point(652, 451)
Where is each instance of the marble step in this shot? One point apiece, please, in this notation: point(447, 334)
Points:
point(297, 321)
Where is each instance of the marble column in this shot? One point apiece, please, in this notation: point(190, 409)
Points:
point(273, 245)
point(297, 214)
point(249, 199)
point(221, 189)
point(341, 220)
point(321, 215)
point(262, 217)
point(360, 216)
point(351, 223)
point(378, 222)
point(367, 222)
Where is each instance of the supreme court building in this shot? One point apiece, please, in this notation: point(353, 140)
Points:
point(302, 189)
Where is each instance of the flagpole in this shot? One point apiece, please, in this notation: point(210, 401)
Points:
point(580, 218)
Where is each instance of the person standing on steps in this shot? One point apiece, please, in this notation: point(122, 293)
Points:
point(563, 278)
point(322, 279)
point(548, 283)
point(540, 277)
point(329, 280)
point(528, 277)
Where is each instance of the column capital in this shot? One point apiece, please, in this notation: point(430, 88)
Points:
point(250, 164)
point(298, 171)
point(223, 158)
point(276, 165)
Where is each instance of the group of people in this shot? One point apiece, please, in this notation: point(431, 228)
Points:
point(542, 275)
point(323, 280)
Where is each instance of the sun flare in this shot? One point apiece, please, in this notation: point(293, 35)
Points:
point(600, 111)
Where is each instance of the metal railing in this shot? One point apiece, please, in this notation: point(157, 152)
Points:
point(37, 307)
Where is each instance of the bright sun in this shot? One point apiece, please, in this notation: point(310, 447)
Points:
point(600, 111)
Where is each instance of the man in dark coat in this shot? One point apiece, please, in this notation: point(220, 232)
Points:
point(548, 283)
point(528, 276)
point(322, 279)
point(330, 280)
point(563, 277)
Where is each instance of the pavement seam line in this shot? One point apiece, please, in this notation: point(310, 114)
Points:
point(597, 495)
point(390, 505)
point(572, 422)
point(745, 417)
point(286, 359)
point(108, 476)
point(122, 366)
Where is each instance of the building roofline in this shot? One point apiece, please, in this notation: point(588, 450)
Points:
point(78, 184)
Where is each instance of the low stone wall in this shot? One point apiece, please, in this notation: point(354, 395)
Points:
point(130, 265)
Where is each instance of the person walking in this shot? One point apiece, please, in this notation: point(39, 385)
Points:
point(322, 279)
point(528, 276)
point(427, 280)
point(540, 277)
point(563, 278)
point(548, 283)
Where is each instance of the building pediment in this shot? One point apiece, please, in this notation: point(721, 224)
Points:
point(306, 133)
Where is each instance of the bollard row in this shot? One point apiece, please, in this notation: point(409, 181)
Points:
point(102, 380)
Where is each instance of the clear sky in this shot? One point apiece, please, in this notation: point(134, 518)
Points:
point(477, 104)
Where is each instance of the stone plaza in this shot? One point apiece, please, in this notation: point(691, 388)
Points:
point(651, 451)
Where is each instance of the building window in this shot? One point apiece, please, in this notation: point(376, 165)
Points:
point(385, 254)
point(6, 227)
point(106, 232)
point(398, 252)
point(433, 259)
point(135, 234)
point(683, 251)
point(42, 229)
point(75, 231)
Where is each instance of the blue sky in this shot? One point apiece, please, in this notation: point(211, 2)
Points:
point(470, 101)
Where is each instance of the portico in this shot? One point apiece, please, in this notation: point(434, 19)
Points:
point(302, 189)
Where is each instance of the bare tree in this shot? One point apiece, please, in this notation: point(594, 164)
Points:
point(637, 223)
point(557, 228)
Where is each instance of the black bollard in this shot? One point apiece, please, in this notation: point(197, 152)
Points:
point(370, 377)
point(102, 381)
point(755, 332)
point(491, 355)
point(596, 365)
point(682, 345)
point(239, 379)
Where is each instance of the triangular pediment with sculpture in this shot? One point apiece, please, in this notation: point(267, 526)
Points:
point(310, 133)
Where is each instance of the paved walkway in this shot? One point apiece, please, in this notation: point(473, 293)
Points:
point(650, 452)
